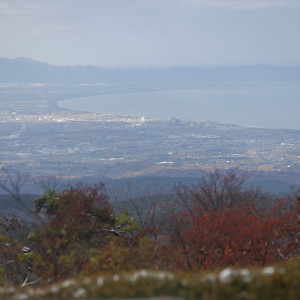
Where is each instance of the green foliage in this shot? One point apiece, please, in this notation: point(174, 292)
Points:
point(2, 276)
point(49, 202)
point(125, 222)
point(13, 262)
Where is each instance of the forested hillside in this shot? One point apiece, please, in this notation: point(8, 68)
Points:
point(216, 223)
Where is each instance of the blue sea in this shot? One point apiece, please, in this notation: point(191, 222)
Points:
point(276, 106)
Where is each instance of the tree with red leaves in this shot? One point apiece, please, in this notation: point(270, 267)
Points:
point(219, 223)
point(79, 219)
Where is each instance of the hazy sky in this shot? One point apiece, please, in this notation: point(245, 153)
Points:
point(151, 32)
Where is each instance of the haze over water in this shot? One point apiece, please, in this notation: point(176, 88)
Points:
point(255, 106)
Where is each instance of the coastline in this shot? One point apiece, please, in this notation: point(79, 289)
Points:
point(168, 104)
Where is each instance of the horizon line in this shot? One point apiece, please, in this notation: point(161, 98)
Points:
point(158, 66)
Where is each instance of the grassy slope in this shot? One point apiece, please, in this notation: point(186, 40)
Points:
point(275, 282)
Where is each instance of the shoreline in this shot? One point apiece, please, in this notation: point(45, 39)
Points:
point(142, 105)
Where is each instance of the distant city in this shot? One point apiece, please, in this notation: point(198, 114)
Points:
point(44, 140)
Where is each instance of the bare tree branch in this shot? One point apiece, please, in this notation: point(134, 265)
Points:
point(12, 185)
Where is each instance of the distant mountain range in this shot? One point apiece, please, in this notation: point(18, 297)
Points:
point(25, 70)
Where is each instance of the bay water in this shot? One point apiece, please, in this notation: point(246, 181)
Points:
point(276, 106)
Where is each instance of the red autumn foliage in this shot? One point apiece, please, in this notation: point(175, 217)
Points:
point(216, 223)
point(84, 211)
point(219, 223)
point(79, 219)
